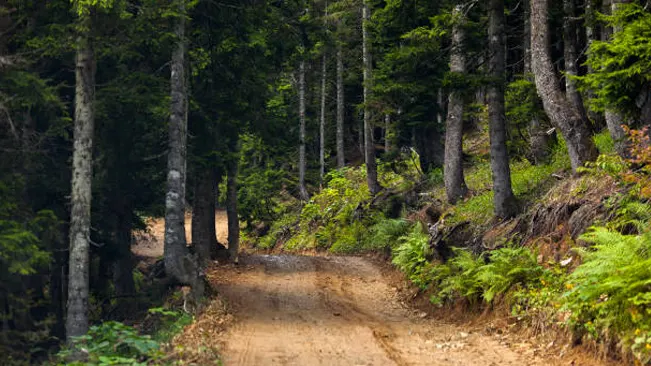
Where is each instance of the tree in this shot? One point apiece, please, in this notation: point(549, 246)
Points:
point(571, 56)
point(561, 112)
point(455, 185)
point(503, 199)
point(302, 160)
point(614, 118)
point(179, 264)
point(369, 146)
point(341, 159)
point(82, 174)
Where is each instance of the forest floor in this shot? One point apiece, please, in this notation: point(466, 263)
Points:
point(316, 310)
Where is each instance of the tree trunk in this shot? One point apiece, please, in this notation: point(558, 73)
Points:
point(539, 140)
point(82, 162)
point(302, 163)
point(561, 112)
point(504, 203)
point(231, 211)
point(387, 132)
point(180, 266)
point(369, 146)
point(455, 185)
point(597, 119)
point(204, 236)
point(571, 55)
point(341, 160)
point(322, 119)
point(614, 119)
point(125, 287)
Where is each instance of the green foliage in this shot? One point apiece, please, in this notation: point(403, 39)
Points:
point(604, 142)
point(411, 256)
point(170, 323)
point(113, 343)
point(620, 66)
point(609, 292)
point(387, 232)
point(523, 105)
point(487, 276)
point(527, 181)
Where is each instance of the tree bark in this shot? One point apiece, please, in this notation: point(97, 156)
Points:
point(322, 117)
point(180, 266)
point(369, 146)
point(614, 119)
point(125, 287)
point(302, 163)
point(81, 195)
point(204, 235)
point(231, 211)
point(504, 202)
point(455, 185)
point(561, 112)
point(387, 132)
point(341, 159)
point(539, 140)
point(571, 55)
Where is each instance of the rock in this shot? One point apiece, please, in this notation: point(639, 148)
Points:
point(463, 334)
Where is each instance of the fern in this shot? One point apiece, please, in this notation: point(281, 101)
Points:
point(387, 232)
point(611, 291)
point(411, 256)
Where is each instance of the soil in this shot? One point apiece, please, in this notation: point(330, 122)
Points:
point(320, 310)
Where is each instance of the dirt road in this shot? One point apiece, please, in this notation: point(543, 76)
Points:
point(293, 310)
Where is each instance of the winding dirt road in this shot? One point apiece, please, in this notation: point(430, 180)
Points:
point(294, 310)
point(304, 310)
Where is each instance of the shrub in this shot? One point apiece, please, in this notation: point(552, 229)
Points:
point(609, 293)
point(411, 256)
point(113, 343)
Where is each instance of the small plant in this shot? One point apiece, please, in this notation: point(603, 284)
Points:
point(411, 256)
point(113, 343)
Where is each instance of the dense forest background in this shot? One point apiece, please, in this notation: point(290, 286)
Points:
point(114, 111)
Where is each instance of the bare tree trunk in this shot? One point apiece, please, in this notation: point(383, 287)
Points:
point(341, 160)
point(455, 184)
point(204, 236)
point(231, 211)
point(302, 163)
point(561, 112)
point(571, 55)
point(81, 195)
point(504, 202)
point(322, 119)
point(614, 119)
point(125, 287)
point(387, 132)
point(539, 140)
point(369, 146)
point(179, 263)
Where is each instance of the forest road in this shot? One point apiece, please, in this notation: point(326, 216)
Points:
point(300, 310)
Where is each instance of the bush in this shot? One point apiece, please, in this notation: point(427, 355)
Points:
point(610, 292)
point(113, 343)
point(411, 256)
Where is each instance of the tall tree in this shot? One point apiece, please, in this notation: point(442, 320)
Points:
point(561, 112)
point(455, 184)
point(302, 159)
point(322, 117)
point(204, 236)
point(614, 118)
point(538, 137)
point(369, 146)
point(341, 159)
point(571, 56)
point(231, 210)
point(82, 162)
point(503, 199)
point(179, 264)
